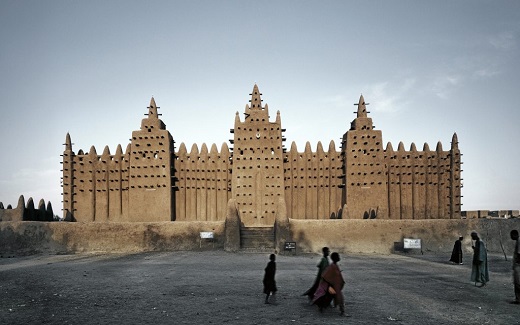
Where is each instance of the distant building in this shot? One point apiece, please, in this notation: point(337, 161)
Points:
point(475, 214)
point(151, 181)
point(28, 212)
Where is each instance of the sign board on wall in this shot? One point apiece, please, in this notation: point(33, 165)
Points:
point(206, 234)
point(412, 243)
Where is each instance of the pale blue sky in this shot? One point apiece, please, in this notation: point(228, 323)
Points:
point(427, 68)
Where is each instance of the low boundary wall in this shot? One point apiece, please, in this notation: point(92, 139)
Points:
point(29, 237)
point(346, 236)
point(380, 236)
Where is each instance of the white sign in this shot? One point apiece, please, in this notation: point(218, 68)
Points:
point(206, 234)
point(412, 243)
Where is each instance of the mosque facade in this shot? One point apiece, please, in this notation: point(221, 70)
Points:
point(152, 180)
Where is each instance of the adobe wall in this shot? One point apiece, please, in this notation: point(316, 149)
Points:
point(202, 183)
point(346, 236)
point(424, 184)
point(379, 236)
point(313, 182)
point(21, 238)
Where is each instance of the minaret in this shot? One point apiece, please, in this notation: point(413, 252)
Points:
point(365, 192)
point(150, 193)
point(455, 179)
point(257, 177)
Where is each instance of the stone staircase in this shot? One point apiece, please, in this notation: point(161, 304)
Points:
point(257, 239)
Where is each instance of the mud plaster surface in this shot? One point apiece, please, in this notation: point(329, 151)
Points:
point(226, 288)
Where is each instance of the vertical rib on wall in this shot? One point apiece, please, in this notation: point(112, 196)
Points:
point(202, 192)
point(125, 184)
point(322, 197)
point(394, 195)
point(202, 183)
point(191, 183)
point(181, 165)
point(405, 182)
point(419, 182)
point(334, 164)
point(443, 182)
point(115, 185)
point(102, 185)
point(311, 182)
point(309, 160)
point(86, 200)
point(418, 189)
point(99, 187)
point(223, 184)
point(211, 174)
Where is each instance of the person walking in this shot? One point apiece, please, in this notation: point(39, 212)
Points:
point(269, 281)
point(479, 268)
point(516, 267)
point(322, 265)
point(331, 286)
point(456, 254)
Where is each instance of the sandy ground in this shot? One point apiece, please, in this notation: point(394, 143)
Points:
point(226, 288)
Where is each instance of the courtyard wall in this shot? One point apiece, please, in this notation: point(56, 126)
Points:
point(386, 236)
point(21, 238)
point(345, 236)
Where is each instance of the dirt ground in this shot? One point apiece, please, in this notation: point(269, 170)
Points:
point(215, 287)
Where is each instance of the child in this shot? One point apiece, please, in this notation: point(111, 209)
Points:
point(330, 286)
point(324, 263)
point(269, 282)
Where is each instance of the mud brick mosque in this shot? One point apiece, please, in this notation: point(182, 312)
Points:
point(153, 180)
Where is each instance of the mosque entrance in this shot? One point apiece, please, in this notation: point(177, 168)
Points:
point(257, 238)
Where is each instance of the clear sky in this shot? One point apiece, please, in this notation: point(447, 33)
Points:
point(427, 68)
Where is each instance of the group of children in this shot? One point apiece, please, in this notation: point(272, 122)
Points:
point(328, 285)
point(329, 282)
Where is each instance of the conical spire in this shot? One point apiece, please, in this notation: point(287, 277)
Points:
point(362, 108)
point(256, 100)
point(454, 141)
point(152, 121)
point(361, 122)
point(68, 143)
point(152, 109)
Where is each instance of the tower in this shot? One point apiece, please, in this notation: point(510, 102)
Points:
point(258, 175)
point(365, 191)
point(455, 178)
point(150, 182)
point(68, 179)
